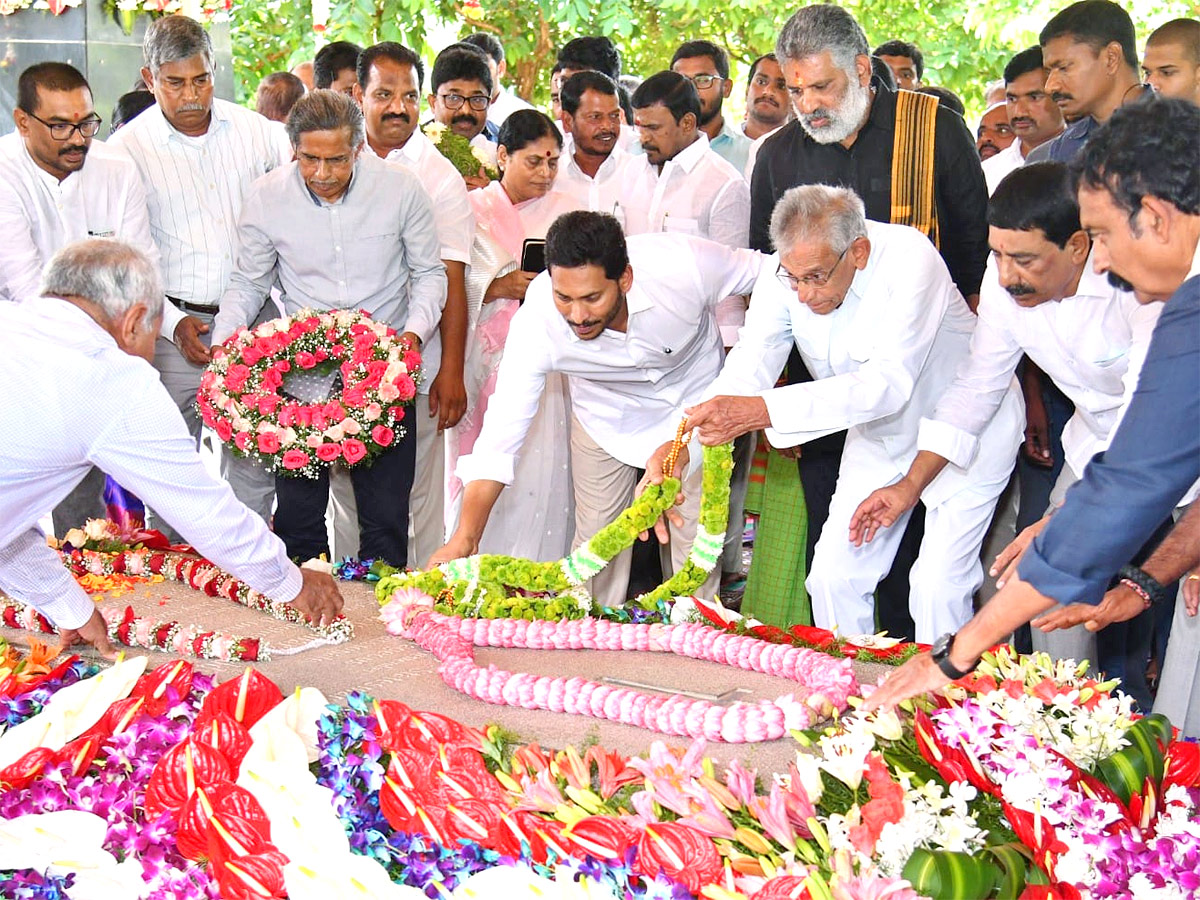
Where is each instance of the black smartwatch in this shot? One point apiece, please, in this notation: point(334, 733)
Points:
point(941, 655)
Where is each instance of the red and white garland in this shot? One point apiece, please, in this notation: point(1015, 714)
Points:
point(240, 399)
point(826, 683)
point(128, 629)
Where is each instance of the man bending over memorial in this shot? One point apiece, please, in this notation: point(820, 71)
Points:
point(81, 392)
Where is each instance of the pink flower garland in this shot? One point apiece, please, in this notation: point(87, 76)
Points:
point(826, 682)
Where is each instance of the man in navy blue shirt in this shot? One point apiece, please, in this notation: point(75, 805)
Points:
point(1139, 199)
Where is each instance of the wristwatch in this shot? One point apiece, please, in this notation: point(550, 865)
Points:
point(941, 655)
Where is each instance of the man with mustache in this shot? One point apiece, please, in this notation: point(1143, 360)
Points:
point(197, 156)
point(994, 133)
point(1032, 114)
point(767, 106)
point(460, 87)
point(594, 169)
point(340, 229)
point(632, 324)
point(1089, 50)
point(845, 135)
point(389, 92)
point(1042, 298)
point(707, 66)
point(906, 61)
point(1139, 199)
point(57, 187)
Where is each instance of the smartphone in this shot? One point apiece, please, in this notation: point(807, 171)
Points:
point(533, 255)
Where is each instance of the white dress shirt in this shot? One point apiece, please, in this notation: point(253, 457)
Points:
point(996, 167)
point(881, 360)
point(375, 248)
point(616, 189)
point(195, 187)
point(1082, 342)
point(626, 387)
point(39, 215)
point(505, 104)
point(74, 400)
point(454, 221)
point(697, 193)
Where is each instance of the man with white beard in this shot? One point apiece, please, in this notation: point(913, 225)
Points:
point(852, 131)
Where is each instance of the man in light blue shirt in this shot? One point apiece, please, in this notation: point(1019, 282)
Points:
point(341, 230)
point(706, 65)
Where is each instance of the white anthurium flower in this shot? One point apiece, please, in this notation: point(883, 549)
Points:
point(70, 842)
point(300, 713)
point(338, 877)
point(71, 711)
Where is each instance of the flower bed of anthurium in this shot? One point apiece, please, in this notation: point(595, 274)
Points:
point(1026, 780)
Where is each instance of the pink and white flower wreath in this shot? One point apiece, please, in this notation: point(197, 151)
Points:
point(239, 394)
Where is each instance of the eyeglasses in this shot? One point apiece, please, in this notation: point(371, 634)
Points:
point(453, 101)
point(61, 131)
point(704, 82)
point(791, 282)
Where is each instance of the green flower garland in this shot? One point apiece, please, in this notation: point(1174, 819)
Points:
point(493, 586)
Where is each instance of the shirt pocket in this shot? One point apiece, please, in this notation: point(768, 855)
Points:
point(680, 225)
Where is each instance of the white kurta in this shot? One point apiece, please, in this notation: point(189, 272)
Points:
point(881, 360)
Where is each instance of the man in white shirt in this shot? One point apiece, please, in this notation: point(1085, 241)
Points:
point(57, 185)
point(95, 330)
point(767, 105)
point(633, 326)
point(1032, 114)
point(593, 168)
point(390, 95)
point(504, 101)
point(876, 317)
point(197, 157)
point(340, 229)
point(695, 191)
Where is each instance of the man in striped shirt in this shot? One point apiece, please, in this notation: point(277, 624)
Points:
point(197, 157)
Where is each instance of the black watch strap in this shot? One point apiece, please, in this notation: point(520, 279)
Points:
point(948, 668)
point(1148, 583)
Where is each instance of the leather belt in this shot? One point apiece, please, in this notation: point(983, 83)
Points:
point(207, 309)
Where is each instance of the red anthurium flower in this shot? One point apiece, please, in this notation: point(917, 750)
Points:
point(192, 835)
point(20, 773)
point(952, 763)
point(258, 876)
point(225, 735)
point(785, 887)
point(425, 731)
point(474, 820)
point(124, 713)
point(817, 637)
point(680, 852)
point(80, 752)
point(467, 768)
point(247, 698)
point(1060, 890)
point(1182, 765)
point(602, 837)
point(399, 805)
point(178, 773)
point(231, 836)
point(1037, 834)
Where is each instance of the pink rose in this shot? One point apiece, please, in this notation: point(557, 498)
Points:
point(295, 459)
point(321, 354)
point(353, 450)
point(250, 356)
point(373, 411)
point(268, 442)
point(241, 440)
point(412, 360)
point(305, 360)
point(355, 397)
point(334, 411)
point(328, 452)
point(382, 435)
point(397, 413)
point(224, 430)
point(407, 387)
point(235, 378)
point(313, 441)
point(268, 404)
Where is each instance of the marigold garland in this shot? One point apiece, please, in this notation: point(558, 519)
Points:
point(240, 399)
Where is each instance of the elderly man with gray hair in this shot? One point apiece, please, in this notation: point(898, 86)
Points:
point(340, 229)
point(877, 318)
point(197, 157)
point(75, 363)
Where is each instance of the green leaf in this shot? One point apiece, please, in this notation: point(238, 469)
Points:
point(1013, 865)
point(944, 875)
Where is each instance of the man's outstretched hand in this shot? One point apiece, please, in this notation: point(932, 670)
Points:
point(94, 631)
point(319, 599)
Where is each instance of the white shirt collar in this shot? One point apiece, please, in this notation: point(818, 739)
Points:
point(1195, 270)
point(691, 155)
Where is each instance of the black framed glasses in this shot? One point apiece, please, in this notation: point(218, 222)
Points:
point(478, 102)
point(704, 82)
point(61, 131)
point(791, 282)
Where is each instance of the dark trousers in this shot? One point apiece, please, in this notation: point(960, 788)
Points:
point(819, 463)
point(380, 491)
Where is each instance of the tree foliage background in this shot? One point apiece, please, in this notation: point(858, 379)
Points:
point(966, 43)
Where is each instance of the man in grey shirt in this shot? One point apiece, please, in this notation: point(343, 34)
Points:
point(323, 227)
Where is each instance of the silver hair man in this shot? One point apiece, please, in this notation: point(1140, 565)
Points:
point(812, 212)
point(828, 116)
point(326, 111)
point(111, 275)
point(173, 39)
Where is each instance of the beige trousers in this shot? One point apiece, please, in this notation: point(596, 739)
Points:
point(603, 489)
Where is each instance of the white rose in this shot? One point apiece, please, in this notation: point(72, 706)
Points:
point(349, 426)
point(75, 537)
point(97, 529)
point(241, 424)
point(266, 329)
point(287, 436)
point(334, 433)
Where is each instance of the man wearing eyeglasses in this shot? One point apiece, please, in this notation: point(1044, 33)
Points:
point(707, 66)
point(876, 317)
point(461, 92)
point(57, 187)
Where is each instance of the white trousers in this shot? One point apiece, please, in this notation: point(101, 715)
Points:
point(603, 489)
point(942, 582)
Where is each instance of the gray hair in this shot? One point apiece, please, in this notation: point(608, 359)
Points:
point(834, 214)
point(326, 111)
point(114, 275)
point(175, 38)
point(815, 29)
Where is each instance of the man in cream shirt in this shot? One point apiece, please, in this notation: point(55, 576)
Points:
point(633, 326)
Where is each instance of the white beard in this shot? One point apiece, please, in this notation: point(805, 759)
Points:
point(844, 120)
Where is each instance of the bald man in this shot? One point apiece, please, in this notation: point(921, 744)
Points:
point(1172, 62)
